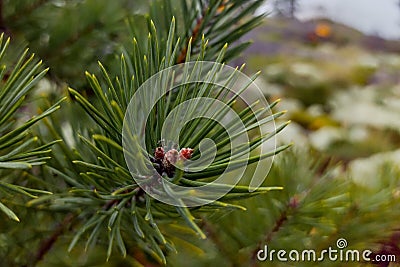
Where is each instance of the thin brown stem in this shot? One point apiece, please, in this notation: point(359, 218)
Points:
point(49, 242)
point(194, 36)
point(293, 203)
point(195, 33)
point(212, 234)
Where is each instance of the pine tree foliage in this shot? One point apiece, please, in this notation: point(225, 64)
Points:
point(57, 31)
point(19, 149)
point(99, 185)
point(220, 22)
point(81, 196)
point(293, 219)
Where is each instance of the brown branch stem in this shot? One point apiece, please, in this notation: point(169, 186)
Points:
point(193, 37)
point(212, 234)
point(195, 33)
point(293, 203)
point(49, 242)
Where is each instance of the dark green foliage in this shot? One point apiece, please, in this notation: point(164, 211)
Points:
point(95, 182)
point(19, 149)
point(313, 211)
point(65, 174)
point(70, 36)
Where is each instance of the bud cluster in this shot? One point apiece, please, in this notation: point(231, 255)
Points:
point(167, 160)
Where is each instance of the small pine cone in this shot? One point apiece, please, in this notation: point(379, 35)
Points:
point(159, 153)
point(170, 158)
point(185, 153)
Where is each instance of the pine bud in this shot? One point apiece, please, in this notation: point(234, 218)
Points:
point(159, 153)
point(170, 158)
point(185, 153)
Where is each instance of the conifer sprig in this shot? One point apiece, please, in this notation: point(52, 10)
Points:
point(19, 149)
point(219, 21)
point(104, 192)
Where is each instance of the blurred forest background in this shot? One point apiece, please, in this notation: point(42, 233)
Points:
point(341, 90)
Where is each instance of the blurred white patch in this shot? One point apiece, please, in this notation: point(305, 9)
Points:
point(307, 70)
point(290, 104)
point(358, 133)
point(274, 69)
point(322, 138)
point(367, 60)
point(365, 106)
point(365, 171)
point(292, 133)
point(68, 134)
point(45, 87)
point(268, 88)
point(315, 110)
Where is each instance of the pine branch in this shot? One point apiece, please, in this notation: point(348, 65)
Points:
point(105, 186)
point(213, 235)
point(18, 148)
point(97, 178)
point(276, 228)
point(195, 33)
point(48, 243)
point(192, 38)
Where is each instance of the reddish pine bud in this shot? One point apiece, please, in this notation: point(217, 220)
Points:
point(170, 158)
point(185, 153)
point(159, 153)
